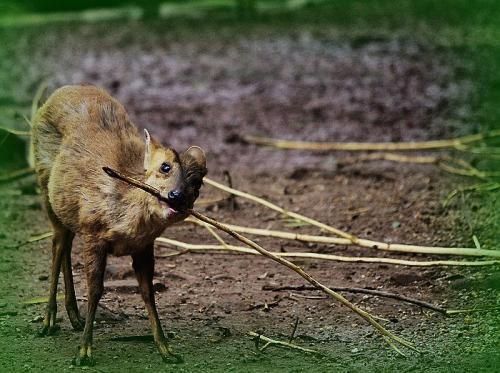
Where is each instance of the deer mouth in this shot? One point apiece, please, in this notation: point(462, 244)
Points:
point(170, 212)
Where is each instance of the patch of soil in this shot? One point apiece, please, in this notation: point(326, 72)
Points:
point(207, 87)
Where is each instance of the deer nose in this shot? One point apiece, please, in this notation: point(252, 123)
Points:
point(175, 197)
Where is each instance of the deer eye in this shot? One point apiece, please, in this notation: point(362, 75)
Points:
point(165, 168)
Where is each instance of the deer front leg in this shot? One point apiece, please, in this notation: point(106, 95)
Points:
point(95, 265)
point(143, 264)
point(69, 288)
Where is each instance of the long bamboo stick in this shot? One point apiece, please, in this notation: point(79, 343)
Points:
point(15, 132)
point(361, 242)
point(451, 165)
point(456, 143)
point(224, 247)
point(336, 258)
point(350, 238)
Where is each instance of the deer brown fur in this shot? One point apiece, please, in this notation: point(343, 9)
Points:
point(79, 130)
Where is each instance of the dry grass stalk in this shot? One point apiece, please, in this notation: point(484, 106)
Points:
point(15, 132)
point(16, 174)
point(37, 99)
point(270, 342)
point(459, 143)
point(216, 236)
point(336, 258)
point(449, 164)
point(210, 201)
point(393, 157)
point(40, 237)
point(484, 187)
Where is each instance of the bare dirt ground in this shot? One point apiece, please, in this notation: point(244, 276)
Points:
point(207, 85)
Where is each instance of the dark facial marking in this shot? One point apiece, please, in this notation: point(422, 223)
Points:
point(191, 179)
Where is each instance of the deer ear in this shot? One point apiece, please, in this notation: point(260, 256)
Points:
point(198, 154)
point(147, 151)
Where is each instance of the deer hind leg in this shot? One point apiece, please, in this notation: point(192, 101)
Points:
point(69, 288)
point(61, 258)
point(95, 255)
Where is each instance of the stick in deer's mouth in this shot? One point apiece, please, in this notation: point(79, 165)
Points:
point(134, 182)
point(389, 337)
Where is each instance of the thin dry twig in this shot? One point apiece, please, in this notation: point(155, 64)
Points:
point(40, 237)
point(464, 168)
point(483, 187)
point(333, 240)
point(15, 132)
point(216, 236)
point(472, 310)
point(294, 330)
point(422, 304)
point(378, 293)
point(270, 342)
point(16, 174)
point(177, 253)
point(211, 201)
point(294, 296)
point(37, 100)
point(232, 199)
